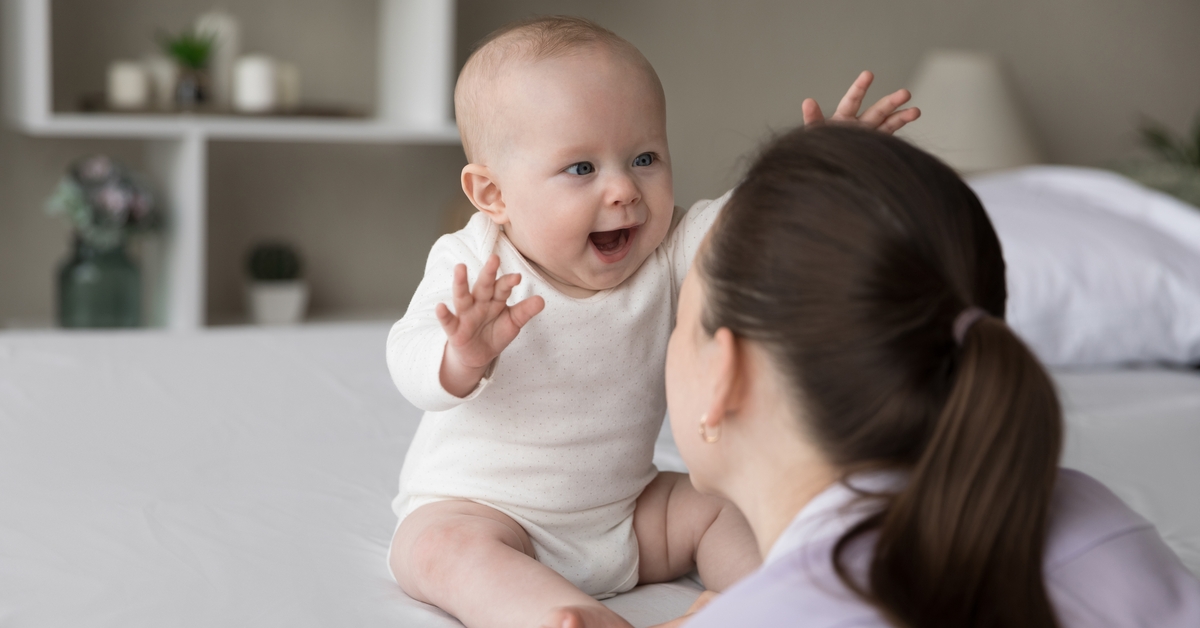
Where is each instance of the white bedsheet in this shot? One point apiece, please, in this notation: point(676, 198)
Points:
point(242, 477)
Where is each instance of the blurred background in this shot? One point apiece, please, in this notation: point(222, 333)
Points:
point(362, 213)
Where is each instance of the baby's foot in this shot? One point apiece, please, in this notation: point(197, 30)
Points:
point(584, 617)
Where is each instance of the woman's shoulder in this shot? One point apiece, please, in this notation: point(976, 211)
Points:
point(799, 589)
point(1083, 514)
point(1107, 565)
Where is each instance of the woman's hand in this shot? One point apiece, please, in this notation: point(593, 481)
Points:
point(481, 326)
point(882, 116)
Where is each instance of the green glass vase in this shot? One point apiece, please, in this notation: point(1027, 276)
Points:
point(99, 288)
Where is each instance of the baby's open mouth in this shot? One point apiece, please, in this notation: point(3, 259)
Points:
point(612, 245)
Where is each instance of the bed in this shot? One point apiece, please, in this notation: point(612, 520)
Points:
point(237, 477)
point(243, 476)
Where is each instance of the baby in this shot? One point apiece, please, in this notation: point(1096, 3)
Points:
point(529, 490)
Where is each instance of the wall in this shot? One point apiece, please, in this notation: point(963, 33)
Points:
point(734, 71)
point(1085, 70)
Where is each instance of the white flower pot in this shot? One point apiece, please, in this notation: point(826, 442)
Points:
point(277, 302)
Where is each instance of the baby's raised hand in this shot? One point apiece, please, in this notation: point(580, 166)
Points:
point(481, 326)
point(882, 116)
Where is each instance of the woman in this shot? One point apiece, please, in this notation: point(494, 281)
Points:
point(841, 352)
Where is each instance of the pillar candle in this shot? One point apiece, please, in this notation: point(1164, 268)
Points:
point(128, 87)
point(227, 40)
point(255, 86)
point(288, 84)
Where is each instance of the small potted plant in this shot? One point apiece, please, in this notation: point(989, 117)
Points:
point(191, 51)
point(99, 285)
point(1174, 166)
point(277, 293)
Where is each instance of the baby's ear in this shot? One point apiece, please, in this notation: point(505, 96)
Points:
point(481, 187)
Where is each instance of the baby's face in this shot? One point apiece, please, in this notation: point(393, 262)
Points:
point(583, 168)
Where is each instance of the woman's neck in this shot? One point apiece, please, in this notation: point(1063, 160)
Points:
point(780, 467)
point(779, 492)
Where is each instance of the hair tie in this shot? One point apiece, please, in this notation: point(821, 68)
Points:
point(963, 322)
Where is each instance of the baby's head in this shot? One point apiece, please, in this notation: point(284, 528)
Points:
point(564, 126)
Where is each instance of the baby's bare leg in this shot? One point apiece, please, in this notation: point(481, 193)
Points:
point(477, 564)
point(678, 529)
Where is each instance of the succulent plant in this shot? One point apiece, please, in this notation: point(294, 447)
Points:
point(273, 261)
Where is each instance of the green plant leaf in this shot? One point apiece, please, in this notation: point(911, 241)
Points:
point(189, 48)
point(1195, 148)
point(1158, 139)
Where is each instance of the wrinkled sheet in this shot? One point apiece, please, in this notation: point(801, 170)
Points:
point(243, 477)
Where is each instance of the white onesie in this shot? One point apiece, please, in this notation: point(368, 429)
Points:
point(560, 433)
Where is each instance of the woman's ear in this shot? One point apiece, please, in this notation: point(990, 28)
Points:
point(481, 187)
point(726, 375)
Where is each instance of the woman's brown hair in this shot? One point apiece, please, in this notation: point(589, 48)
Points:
point(848, 255)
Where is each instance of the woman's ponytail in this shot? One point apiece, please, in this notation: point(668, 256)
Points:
point(962, 544)
point(850, 256)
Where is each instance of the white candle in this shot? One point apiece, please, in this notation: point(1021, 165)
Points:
point(162, 73)
point(255, 87)
point(288, 84)
point(128, 87)
point(227, 42)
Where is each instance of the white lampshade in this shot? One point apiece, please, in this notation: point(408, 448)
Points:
point(969, 117)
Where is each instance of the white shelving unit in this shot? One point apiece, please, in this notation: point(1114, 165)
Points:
point(416, 65)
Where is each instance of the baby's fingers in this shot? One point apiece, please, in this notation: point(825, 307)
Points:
point(879, 112)
point(505, 285)
point(460, 290)
point(812, 112)
point(446, 318)
point(522, 312)
point(485, 284)
point(848, 108)
point(897, 120)
point(514, 317)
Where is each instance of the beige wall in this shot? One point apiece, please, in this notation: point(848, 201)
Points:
point(733, 71)
point(736, 70)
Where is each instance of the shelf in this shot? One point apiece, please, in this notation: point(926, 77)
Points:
point(226, 321)
point(415, 81)
point(366, 315)
point(282, 129)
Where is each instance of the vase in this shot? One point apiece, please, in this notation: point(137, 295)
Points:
point(99, 287)
point(277, 302)
point(191, 89)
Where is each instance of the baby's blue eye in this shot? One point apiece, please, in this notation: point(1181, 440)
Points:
point(581, 168)
point(645, 159)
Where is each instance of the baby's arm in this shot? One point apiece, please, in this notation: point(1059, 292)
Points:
point(481, 326)
point(417, 344)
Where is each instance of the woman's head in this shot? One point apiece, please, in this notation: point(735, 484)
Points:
point(844, 258)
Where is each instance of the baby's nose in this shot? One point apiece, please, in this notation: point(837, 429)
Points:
point(622, 190)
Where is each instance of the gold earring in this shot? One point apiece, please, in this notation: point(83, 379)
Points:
point(708, 438)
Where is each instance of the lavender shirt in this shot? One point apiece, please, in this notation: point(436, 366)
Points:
point(1105, 566)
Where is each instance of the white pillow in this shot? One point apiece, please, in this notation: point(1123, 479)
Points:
point(1101, 270)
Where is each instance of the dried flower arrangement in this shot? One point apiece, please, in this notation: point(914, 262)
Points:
point(104, 202)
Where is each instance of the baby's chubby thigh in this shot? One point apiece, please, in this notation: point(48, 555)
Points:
point(477, 563)
point(429, 541)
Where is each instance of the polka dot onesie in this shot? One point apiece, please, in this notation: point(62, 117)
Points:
point(560, 433)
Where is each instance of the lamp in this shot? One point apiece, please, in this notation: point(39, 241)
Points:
point(969, 118)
